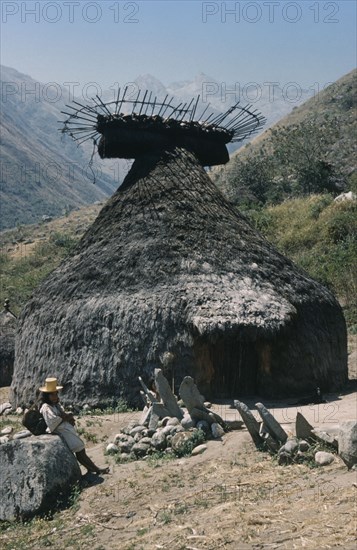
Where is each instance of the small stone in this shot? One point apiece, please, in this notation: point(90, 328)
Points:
point(140, 449)
point(187, 421)
point(158, 440)
point(7, 412)
point(4, 439)
point(217, 430)
point(204, 426)
point(124, 456)
point(173, 421)
point(146, 440)
point(178, 429)
point(168, 430)
point(126, 445)
point(208, 404)
point(22, 434)
point(291, 446)
point(132, 424)
point(199, 450)
point(165, 420)
point(326, 437)
point(6, 430)
point(112, 448)
point(169, 451)
point(4, 407)
point(303, 445)
point(121, 436)
point(323, 459)
point(136, 430)
point(19, 410)
point(300, 457)
point(179, 440)
point(86, 407)
point(234, 424)
point(284, 458)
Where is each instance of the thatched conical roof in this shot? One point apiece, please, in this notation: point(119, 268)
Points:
point(170, 266)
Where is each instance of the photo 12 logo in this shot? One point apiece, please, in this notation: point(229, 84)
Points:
point(69, 12)
point(53, 92)
point(51, 172)
point(254, 92)
point(271, 12)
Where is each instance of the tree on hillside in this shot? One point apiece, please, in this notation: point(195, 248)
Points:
point(301, 151)
point(293, 161)
point(249, 181)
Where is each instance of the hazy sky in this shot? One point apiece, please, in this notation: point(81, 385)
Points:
point(112, 41)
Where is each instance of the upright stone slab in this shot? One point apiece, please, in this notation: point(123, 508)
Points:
point(271, 424)
point(167, 397)
point(251, 423)
point(190, 395)
point(35, 473)
point(149, 394)
point(158, 411)
point(347, 442)
point(194, 402)
point(145, 416)
point(303, 429)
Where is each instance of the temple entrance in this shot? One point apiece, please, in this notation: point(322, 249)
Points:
point(226, 367)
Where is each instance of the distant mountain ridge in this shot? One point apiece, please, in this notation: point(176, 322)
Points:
point(271, 99)
point(44, 173)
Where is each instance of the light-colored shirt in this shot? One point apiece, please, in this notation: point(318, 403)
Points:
point(52, 415)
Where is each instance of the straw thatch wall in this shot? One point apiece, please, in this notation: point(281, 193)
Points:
point(170, 266)
point(8, 324)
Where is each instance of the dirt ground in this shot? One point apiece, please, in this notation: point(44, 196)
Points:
point(232, 496)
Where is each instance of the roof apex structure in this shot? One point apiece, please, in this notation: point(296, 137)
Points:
point(131, 127)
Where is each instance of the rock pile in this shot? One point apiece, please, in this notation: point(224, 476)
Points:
point(168, 426)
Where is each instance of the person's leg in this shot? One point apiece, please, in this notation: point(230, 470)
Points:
point(84, 459)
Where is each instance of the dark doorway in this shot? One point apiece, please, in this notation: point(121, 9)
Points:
point(227, 367)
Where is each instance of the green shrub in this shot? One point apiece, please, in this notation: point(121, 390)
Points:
point(63, 240)
point(197, 437)
point(342, 223)
point(320, 236)
point(317, 206)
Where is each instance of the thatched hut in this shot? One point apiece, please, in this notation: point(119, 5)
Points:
point(8, 325)
point(170, 269)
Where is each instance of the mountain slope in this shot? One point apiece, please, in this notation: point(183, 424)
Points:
point(41, 173)
point(337, 101)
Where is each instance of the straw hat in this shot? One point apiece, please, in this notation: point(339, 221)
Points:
point(51, 386)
